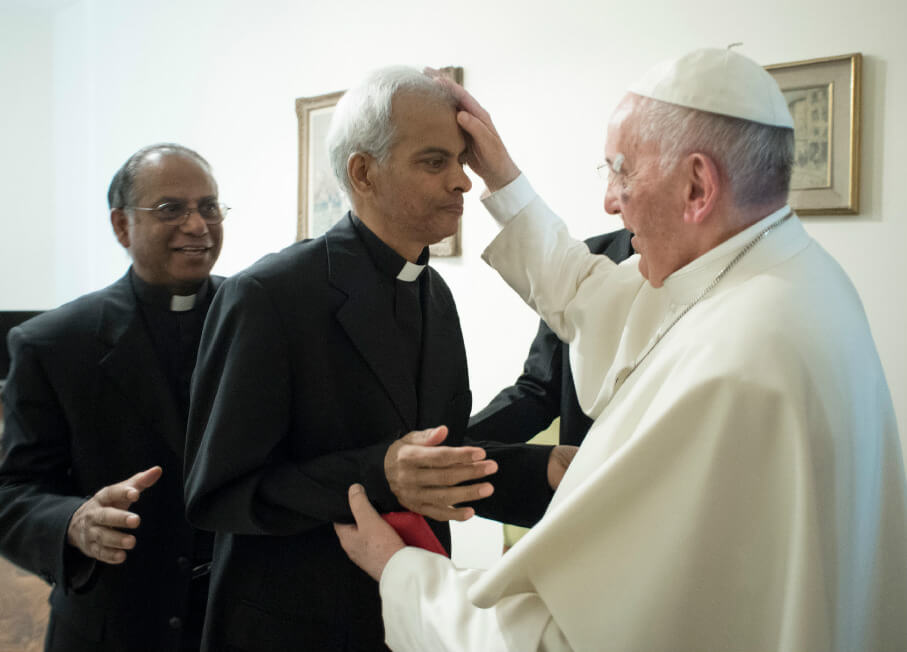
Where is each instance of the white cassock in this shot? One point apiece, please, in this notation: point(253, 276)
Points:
point(741, 490)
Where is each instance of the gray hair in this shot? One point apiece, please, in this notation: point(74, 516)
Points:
point(122, 187)
point(756, 159)
point(362, 122)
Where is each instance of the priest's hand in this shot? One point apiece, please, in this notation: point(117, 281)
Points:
point(558, 461)
point(370, 542)
point(96, 526)
point(486, 154)
point(426, 476)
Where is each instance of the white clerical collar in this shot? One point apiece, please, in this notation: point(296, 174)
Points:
point(410, 272)
point(182, 303)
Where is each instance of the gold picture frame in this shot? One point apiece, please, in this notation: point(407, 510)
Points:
point(824, 96)
point(321, 202)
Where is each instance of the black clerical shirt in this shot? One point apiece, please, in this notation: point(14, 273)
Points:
point(175, 325)
point(400, 284)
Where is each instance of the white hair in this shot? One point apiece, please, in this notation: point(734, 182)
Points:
point(757, 159)
point(362, 121)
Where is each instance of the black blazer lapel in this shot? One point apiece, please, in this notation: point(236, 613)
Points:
point(365, 319)
point(131, 364)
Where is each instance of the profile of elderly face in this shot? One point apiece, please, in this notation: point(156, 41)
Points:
point(649, 199)
point(177, 254)
point(685, 180)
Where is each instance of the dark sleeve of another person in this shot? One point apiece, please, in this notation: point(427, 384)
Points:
point(542, 393)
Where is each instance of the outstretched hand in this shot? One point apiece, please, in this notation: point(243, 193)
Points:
point(371, 542)
point(487, 155)
point(96, 526)
point(426, 476)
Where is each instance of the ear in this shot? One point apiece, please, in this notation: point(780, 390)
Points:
point(120, 223)
point(359, 168)
point(703, 188)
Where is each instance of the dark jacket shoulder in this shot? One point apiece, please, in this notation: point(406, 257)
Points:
point(615, 245)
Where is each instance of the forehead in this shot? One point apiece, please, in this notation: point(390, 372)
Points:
point(421, 122)
point(173, 175)
point(620, 125)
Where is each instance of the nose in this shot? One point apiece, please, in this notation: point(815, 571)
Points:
point(194, 224)
point(612, 200)
point(460, 180)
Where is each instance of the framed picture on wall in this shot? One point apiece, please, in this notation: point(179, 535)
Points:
point(824, 97)
point(321, 201)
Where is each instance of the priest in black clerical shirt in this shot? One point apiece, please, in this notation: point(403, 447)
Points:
point(96, 403)
point(314, 362)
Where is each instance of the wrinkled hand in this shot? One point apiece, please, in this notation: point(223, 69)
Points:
point(423, 475)
point(371, 542)
point(558, 461)
point(95, 526)
point(487, 155)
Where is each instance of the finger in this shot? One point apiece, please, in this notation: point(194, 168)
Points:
point(429, 437)
point(362, 509)
point(446, 513)
point(112, 539)
point(145, 479)
point(445, 456)
point(128, 491)
point(118, 495)
point(107, 555)
point(446, 477)
point(451, 496)
point(115, 518)
point(466, 101)
point(476, 127)
point(345, 533)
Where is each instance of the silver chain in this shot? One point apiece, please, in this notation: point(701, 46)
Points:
point(625, 373)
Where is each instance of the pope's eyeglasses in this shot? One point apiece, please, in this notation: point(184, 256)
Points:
point(609, 169)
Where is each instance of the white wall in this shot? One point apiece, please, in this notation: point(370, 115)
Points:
point(26, 160)
point(222, 76)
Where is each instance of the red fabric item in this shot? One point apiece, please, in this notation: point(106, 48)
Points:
point(414, 530)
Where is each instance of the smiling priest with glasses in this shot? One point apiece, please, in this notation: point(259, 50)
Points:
point(96, 406)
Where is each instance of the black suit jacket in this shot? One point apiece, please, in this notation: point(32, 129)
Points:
point(297, 394)
point(87, 405)
point(542, 393)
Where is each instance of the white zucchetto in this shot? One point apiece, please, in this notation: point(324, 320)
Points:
point(717, 81)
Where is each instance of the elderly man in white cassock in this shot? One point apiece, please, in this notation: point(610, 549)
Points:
point(742, 486)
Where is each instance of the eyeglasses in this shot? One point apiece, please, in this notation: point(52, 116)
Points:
point(176, 213)
point(608, 171)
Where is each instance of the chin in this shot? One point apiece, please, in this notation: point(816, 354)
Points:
point(445, 229)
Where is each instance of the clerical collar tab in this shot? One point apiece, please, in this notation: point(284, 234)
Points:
point(179, 303)
point(410, 272)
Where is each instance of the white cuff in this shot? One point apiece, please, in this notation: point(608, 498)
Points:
point(506, 202)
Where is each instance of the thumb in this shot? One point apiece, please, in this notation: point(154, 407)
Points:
point(146, 478)
point(428, 437)
point(362, 509)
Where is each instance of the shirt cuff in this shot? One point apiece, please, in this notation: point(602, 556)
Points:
point(505, 203)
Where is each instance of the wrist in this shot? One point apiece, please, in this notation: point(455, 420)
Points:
point(505, 178)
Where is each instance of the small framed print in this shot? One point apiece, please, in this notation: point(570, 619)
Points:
point(321, 201)
point(824, 98)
